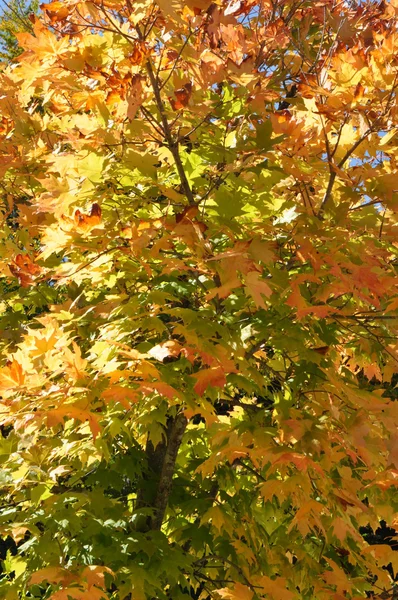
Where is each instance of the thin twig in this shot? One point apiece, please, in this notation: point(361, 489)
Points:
point(164, 83)
point(172, 144)
point(333, 173)
point(26, 24)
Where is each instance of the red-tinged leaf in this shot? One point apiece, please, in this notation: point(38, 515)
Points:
point(113, 97)
point(341, 528)
point(300, 461)
point(336, 576)
point(296, 300)
point(346, 500)
point(138, 53)
point(86, 222)
point(18, 532)
point(25, 269)
point(56, 416)
point(118, 393)
point(359, 92)
point(162, 388)
point(390, 478)
point(182, 96)
point(214, 377)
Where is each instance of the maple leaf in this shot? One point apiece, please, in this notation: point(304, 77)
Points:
point(82, 222)
point(238, 592)
point(257, 288)
point(25, 269)
point(262, 250)
point(57, 11)
point(77, 365)
point(182, 95)
point(52, 575)
point(94, 575)
point(276, 588)
point(163, 388)
point(217, 517)
point(199, 214)
point(118, 393)
point(214, 377)
point(166, 349)
point(56, 416)
point(11, 376)
point(336, 576)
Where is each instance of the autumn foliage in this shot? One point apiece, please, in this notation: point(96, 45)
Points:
point(199, 301)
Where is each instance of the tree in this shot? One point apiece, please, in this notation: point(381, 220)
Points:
point(14, 19)
point(199, 308)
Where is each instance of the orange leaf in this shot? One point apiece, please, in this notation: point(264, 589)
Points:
point(257, 288)
point(214, 377)
point(52, 575)
point(55, 416)
point(118, 393)
point(57, 11)
point(183, 95)
point(163, 388)
point(94, 575)
point(86, 222)
point(238, 592)
point(25, 269)
point(11, 376)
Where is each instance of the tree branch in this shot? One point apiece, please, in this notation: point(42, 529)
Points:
point(333, 174)
point(172, 144)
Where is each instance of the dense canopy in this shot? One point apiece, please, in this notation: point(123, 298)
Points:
point(199, 301)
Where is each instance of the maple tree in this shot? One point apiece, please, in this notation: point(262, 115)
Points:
point(199, 301)
point(14, 19)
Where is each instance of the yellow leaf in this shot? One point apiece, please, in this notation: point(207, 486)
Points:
point(387, 137)
point(215, 514)
point(76, 364)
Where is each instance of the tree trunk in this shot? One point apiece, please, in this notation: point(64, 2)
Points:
point(161, 462)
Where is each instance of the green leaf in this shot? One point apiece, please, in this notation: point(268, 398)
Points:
point(91, 166)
